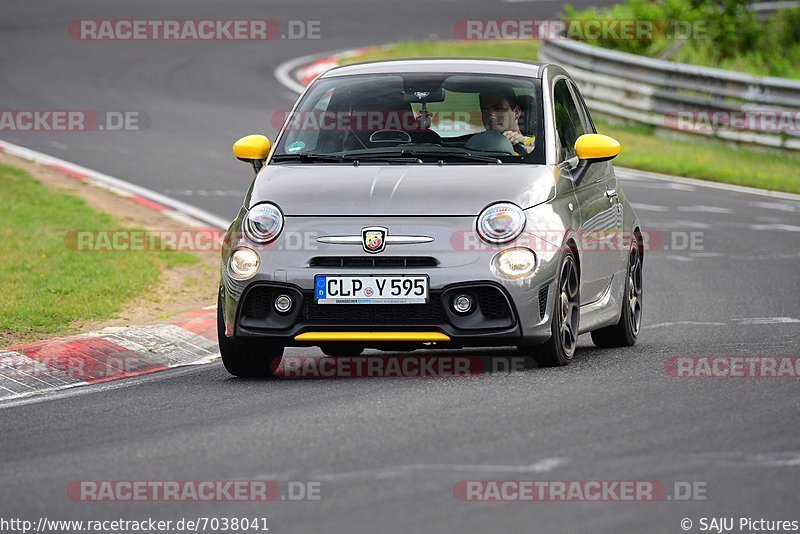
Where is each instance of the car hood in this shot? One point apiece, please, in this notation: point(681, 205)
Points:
point(317, 189)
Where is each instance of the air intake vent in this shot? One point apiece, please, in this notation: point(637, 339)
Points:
point(369, 262)
point(542, 302)
point(370, 314)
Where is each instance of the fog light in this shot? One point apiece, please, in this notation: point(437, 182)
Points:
point(514, 263)
point(243, 264)
point(462, 304)
point(283, 303)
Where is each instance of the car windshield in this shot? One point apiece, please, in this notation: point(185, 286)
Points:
point(416, 118)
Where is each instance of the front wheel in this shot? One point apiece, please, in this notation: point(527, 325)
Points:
point(626, 331)
point(565, 315)
point(246, 361)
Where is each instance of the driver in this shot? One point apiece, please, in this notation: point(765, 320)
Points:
point(500, 113)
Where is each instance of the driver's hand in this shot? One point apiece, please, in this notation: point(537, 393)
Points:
point(516, 138)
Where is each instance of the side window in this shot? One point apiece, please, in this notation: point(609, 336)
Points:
point(583, 111)
point(568, 121)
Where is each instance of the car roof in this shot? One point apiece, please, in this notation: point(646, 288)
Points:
point(530, 69)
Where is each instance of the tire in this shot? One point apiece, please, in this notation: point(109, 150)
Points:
point(565, 316)
point(626, 331)
point(246, 361)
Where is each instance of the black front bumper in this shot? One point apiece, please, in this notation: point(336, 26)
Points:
point(492, 322)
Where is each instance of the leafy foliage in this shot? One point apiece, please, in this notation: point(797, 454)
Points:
point(716, 33)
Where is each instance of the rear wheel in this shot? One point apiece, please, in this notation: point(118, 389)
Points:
point(626, 331)
point(565, 315)
point(246, 361)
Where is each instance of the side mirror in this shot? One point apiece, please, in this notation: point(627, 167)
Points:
point(591, 148)
point(252, 149)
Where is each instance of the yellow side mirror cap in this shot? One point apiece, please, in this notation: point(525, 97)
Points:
point(252, 147)
point(596, 147)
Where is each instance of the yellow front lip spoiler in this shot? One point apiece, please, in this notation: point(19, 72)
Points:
point(371, 336)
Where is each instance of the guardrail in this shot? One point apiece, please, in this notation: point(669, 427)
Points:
point(680, 97)
point(764, 10)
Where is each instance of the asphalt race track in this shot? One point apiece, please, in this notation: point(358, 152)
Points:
point(388, 452)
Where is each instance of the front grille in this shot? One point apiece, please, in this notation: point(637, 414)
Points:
point(369, 262)
point(378, 314)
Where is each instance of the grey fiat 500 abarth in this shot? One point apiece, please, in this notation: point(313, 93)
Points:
point(438, 203)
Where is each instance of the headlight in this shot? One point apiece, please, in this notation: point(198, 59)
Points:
point(501, 223)
point(514, 263)
point(263, 223)
point(243, 264)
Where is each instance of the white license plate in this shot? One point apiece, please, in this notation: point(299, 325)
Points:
point(398, 289)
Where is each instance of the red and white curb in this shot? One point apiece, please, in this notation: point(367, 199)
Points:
point(111, 354)
point(297, 73)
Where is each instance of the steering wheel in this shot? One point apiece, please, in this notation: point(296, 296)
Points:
point(490, 142)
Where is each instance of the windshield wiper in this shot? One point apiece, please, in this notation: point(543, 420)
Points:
point(308, 158)
point(403, 156)
point(346, 158)
point(381, 157)
point(447, 154)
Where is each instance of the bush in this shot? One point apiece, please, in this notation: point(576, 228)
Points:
point(732, 38)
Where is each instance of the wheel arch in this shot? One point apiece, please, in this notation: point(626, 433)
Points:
point(572, 245)
point(637, 232)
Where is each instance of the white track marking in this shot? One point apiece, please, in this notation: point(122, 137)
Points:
point(776, 226)
point(704, 209)
point(542, 466)
point(677, 224)
point(777, 459)
point(706, 254)
point(766, 257)
point(684, 323)
point(767, 320)
point(740, 321)
point(780, 206)
point(649, 207)
point(645, 183)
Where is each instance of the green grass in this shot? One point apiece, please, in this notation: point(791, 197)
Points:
point(46, 286)
point(642, 148)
